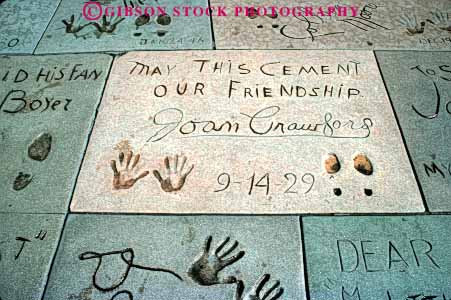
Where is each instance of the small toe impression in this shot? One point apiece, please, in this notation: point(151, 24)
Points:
point(22, 181)
point(363, 164)
point(332, 164)
point(368, 192)
point(337, 192)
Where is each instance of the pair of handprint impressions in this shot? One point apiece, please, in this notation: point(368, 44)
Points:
point(203, 271)
point(104, 26)
point(415, 26)
point(108, 25)
point(125, 174)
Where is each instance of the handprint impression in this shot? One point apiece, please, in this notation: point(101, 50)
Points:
point(442, 20)
point(410, 22)
point(125, 178)
point(256, 293)
point(107, 26)
point(176, 178)
point(72, 27)
point(206, 267)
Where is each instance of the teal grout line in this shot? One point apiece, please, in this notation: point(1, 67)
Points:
point(304, 259)
point(302, 215)
point(215, 49)
point(416, 214)
point(66, 215)
point(112, 52)
point(88, 138)
point(56, 249)
point(213, 40)
point(46, 27)
point(423, 197)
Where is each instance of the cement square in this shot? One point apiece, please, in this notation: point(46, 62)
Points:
point(405, 257)
point(27, 245)
point(227, 132)
point(382, 24)
point(419, 84)
point(47, 109)
point(23, 23)
point(115, 33)
point(155, 257)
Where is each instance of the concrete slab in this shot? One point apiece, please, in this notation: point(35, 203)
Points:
point(22, 24)
point(378, 257)
point(118, 257)
point(27, 245)
point(246, 132)
point(382, 24)
point(71, 32)
point(47, 107)
point(419, 84)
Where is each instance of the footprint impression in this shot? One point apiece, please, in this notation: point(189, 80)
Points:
point(38, 150)
point(362, 164)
